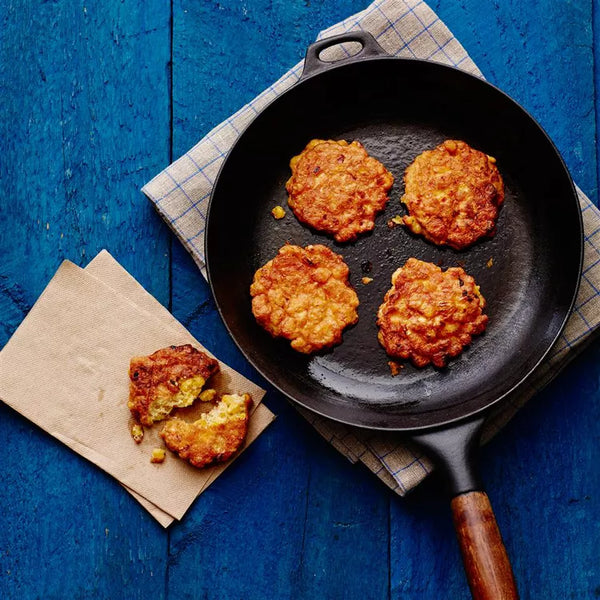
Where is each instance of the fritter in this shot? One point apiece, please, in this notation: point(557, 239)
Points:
point(168, 378)
point(453, 194)
point(336, 187)
point(215, 436)
point(430, 315)
point(303, 295)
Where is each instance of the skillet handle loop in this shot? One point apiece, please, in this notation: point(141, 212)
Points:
point(484, 556)
point(313, 63)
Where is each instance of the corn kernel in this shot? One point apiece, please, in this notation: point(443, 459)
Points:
point(451, 146)
point(278, 212)
point(158, 455)
point(207, 395)
point(395, 221)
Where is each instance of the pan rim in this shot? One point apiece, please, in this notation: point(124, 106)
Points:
point(467, 415)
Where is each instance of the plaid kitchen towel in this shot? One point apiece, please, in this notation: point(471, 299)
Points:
point(407, 28)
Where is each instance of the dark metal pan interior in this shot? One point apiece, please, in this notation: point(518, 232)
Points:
point(397, 109)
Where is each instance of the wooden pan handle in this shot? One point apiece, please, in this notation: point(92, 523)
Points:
point(484, 556)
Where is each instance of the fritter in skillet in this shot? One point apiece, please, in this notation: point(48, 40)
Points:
point(429, 315)
point(336, 187)
point(215, 436)
point(171, 377)
point(453, 194)
point(303, 295)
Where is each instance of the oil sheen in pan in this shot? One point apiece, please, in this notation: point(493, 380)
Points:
point(504, 284)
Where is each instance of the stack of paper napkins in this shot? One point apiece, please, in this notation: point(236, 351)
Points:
point(66, 369)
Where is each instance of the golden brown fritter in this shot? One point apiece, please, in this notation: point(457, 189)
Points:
point(338, 188)
point(215, 436)
point(170, 377)
point(303, 295)
point(453, 194)
point(429, 315)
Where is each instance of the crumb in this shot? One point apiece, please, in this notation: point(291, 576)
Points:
point(158, 455)
point(395, 367)
point(367, 280)
point(395, 222)
point(278, 212)
point(489, 263)
point(137, 433)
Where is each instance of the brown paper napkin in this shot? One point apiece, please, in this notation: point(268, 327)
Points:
point(66, 369)
point(108, 270)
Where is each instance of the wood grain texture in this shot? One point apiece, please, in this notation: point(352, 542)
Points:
point(226, 53)
point(85, 123)
point(87, 95)
point(486, 563)
point(345, 549)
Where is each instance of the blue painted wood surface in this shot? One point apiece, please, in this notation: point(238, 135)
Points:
point(97, 98)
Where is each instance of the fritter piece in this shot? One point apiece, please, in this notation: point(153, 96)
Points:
point(171, 377)
point(137, 433)
point(453, 194)
point(429, 315)
point(215, 436)
point(338, 188)
point(303, 295)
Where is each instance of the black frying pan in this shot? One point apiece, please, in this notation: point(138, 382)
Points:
point(398, 108)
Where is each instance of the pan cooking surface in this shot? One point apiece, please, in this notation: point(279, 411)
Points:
point(528, 272)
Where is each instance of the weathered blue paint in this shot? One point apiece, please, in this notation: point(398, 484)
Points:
point(85, 122)
point(97, 100)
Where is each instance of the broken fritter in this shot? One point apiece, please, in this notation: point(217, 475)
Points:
point(215, 436)
point(430, 315)
point(168, 378)
point(336, 187)
point(453, 194)
point(303, 295)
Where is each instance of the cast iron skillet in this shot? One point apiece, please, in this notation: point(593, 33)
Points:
point(529, 272)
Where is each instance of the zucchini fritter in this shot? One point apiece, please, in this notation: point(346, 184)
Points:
point(336, 187)
point(303, 295)
point(453, 194)
point(168, 378)
point(215, 436)
point(429, 315)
